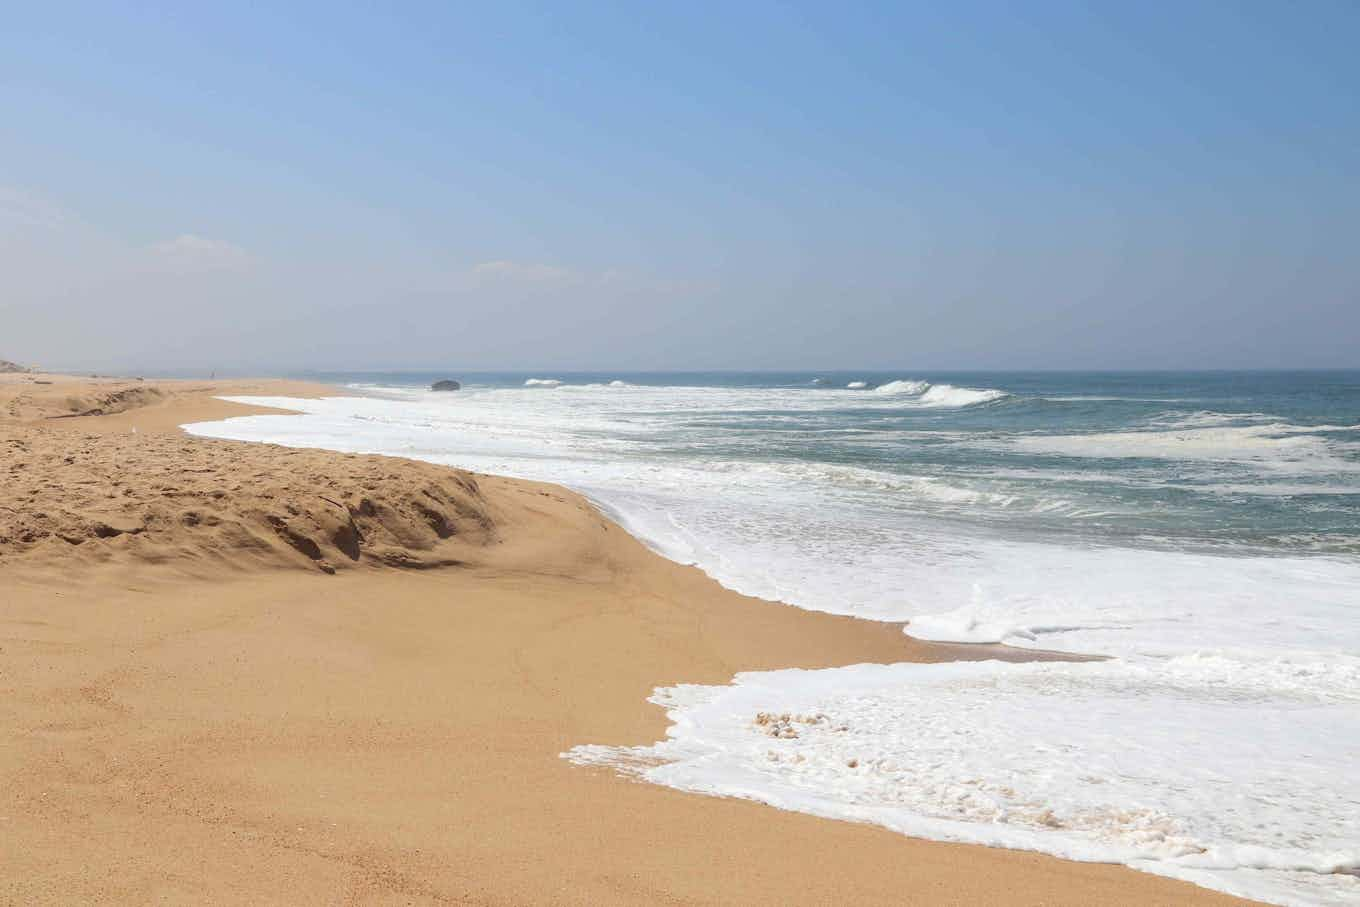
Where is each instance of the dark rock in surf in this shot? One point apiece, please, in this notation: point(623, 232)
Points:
point(445, 385)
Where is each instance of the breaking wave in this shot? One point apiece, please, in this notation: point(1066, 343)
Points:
point(945, 395)
point(913, 388)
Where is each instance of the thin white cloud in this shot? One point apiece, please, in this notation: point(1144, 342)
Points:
point(19, 207)
point(526, 271)
point(556, 278)
point(191, 252)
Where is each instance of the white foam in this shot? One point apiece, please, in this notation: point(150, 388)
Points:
point(1233, 784)
point(857, 385)
point(1207, 418)
point(948, 395)
point(542, 382)
point(1258, 443)
point(902, 386)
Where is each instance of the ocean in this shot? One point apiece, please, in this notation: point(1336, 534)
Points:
point(1200, 529)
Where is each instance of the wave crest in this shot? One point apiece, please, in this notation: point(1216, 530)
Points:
point(927, 394)
point(903, 386)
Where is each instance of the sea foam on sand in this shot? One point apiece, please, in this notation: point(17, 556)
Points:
point(1173, 768)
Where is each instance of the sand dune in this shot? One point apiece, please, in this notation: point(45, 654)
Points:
point(162, 498)
point(196, 710)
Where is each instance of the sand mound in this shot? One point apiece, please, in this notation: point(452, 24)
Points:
point(167, 498)
point(117, 401)
point(95, 471)
point(29, 397)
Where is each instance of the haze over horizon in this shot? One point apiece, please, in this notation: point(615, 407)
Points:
point(604, 187)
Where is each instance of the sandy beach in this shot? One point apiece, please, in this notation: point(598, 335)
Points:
point(239, 673)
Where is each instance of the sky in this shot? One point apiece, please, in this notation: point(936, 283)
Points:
point(283, 187)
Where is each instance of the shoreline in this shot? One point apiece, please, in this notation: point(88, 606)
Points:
point(389, 733)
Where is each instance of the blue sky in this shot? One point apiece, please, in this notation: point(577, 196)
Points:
point(681, 186)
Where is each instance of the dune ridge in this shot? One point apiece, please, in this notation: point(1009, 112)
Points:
point(95, 491)
point(161, 498)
